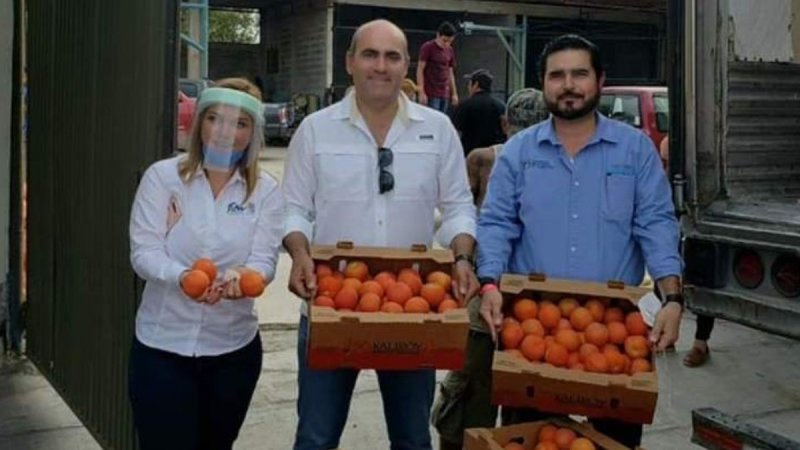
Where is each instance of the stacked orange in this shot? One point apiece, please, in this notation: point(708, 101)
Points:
point(356, 289)
point(552, 437)
point(594, 335)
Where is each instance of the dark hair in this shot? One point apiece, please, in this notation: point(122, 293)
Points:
point(446, 29)
point(571, 42)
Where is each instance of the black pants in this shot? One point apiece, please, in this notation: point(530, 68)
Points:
point(705, 324)
point(191, 403)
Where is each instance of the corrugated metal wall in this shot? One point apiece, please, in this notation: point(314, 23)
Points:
point(102, 95)
point(762, 137)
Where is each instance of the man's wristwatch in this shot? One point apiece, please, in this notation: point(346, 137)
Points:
point(463, 257)
point(677, 298)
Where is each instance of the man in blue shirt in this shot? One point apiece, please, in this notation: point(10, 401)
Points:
point(582, 197)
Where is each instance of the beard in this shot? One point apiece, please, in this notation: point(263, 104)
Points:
point(569, 112)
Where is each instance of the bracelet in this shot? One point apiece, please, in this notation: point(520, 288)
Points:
point(488, 287)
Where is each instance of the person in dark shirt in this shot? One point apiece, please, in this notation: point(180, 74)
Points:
point(435, 77)
point(478, 118)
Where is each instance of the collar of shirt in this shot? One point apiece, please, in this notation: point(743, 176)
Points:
point(407, 111)
point(603, 132)
point(236, 177)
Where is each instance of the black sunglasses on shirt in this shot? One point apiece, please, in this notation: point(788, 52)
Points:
point(385, 178)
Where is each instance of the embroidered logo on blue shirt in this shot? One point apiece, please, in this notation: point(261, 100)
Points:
point(537, 163)
point(236, 209)
point(620, 169)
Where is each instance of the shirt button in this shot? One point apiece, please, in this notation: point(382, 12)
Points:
point(380, 222)
point(572, 249)
point(577, 183)
point(574, 216)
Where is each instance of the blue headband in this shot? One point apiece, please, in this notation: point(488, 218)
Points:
point(231, 97)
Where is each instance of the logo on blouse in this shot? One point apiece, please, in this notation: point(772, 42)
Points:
point(235, 209)
point(537, 163)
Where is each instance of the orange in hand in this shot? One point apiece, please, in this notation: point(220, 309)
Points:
point(207, 266)
point(195, 283)
point(252, 284)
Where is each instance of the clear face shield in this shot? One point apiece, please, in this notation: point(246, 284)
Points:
point(231, 129)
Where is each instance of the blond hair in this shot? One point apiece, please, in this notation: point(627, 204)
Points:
point(194, 156)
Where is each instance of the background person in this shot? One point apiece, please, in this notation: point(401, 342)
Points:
point(435, 70)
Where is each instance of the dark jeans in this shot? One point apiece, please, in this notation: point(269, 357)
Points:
point(705, 324)
point(439, 103)
point(182, 402)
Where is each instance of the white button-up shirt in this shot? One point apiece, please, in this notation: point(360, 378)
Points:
point(331, 179)
point(226, 230)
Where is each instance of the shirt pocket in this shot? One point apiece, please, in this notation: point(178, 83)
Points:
point(343, 174)
point(619, 197)
point(415, 170)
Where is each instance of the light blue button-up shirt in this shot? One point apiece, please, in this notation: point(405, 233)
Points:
point(602, 215)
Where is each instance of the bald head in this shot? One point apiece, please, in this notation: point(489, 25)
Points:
point(380, 26)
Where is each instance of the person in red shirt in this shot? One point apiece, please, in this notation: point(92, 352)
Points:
point(435, 78)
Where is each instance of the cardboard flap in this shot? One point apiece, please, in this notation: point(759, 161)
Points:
point(515, 284)
point(379, 259)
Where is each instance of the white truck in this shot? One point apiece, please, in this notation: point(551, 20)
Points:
point(735, 158)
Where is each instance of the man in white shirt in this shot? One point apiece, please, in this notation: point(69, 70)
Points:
point(371, 169)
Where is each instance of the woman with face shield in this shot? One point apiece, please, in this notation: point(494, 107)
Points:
point(196, 357)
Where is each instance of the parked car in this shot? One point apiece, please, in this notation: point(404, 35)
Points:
point(644, 107)
point(279, 121)
point(186, 107)
point(192, 87)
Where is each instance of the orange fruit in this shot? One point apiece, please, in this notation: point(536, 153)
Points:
point(417, 305)
point(596, 333)
point(510, 320)
point(556, 355)
point(447, 304)
point(511, 336)
point(385, 279)
point(582, 443)
point(371, 286)
point(640, 365)
point(324, 300)
point(567, 305)
point(546, 445)
point(207, 266)
point(613, 314)
point(637, 347)
point(596, 362)
point(525, 308)
point(369, 302)
point(549, 315)
point(323, 270)
point(252, 283)
point(399, 293)
point(597, 309)
point(195, 283)
point(617, 362)
point(433, 293)
point(329, 286)
point(533, 347)
point(635, 324)
point(392, 307)
point(586, 350)
point(412, 279)
point(564, 324)
point(356, 269)
point(346, 298)
point(573, 360)
point(564, 438)
point(569, 339)
point(580, 318)
point(547, 433)
point(440, 278)
point(617, 332)
point(354, 283)
point(532, 326)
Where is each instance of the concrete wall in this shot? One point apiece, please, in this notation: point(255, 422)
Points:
point(6, 47)
point(302, 40)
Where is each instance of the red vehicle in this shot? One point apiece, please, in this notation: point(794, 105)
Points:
point(186, 107)
point(644, 107)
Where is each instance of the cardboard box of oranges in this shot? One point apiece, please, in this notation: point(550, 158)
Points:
point(573, 347)
point(385, 308)
point(552, 434)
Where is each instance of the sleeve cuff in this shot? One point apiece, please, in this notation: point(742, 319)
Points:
point(296, 223)
point(172, 273)
point(453, 227)
point(490, 270)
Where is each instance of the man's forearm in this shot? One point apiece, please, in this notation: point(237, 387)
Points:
point(420, 79)
point(296, 244)
point(669, 285)
point(463, 244)
point(453, 88)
